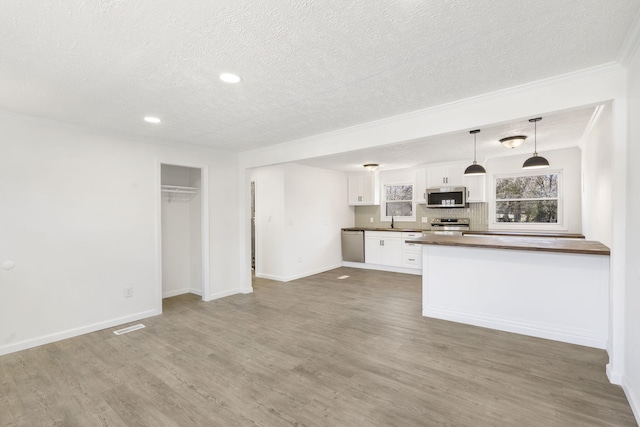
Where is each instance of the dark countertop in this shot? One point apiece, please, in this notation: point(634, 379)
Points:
point(410, 230)
point(476, 233)
point(524, 234)
point(575, 246)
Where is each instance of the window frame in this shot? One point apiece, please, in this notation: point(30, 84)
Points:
point(383, 202)
point(528, 226)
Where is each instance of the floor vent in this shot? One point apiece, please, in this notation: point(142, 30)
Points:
point(343, 277)
point(129, 329)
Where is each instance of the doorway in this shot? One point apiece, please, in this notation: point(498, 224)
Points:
point(253, 227)
point(183, 230)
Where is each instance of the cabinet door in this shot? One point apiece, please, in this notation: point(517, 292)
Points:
point(392, 252)
point(455, 175)
point(363, 189)
point(436, 176)
point(368, 190)
point(373, 250)
point(475, 188)
point(420, 191)
point(355, 196)
point(445, 176)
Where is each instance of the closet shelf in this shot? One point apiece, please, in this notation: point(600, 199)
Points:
point(179, 189)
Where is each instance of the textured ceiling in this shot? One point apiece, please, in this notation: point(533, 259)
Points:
point(308, 67)
point(557, 131)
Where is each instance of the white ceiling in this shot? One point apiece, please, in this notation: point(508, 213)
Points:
point(554, 132)
point(308, 67)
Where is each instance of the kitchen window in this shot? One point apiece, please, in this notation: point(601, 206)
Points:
point(528, 199)
point(398, 202)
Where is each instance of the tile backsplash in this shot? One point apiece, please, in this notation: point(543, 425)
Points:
point(477, 213)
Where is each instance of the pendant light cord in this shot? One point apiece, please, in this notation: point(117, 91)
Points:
point(475, 147)
point(535, 134)
point(535, 138)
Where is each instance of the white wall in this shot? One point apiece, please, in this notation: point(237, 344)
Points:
point(195, 233)
point(631, 380)
point(270, 219)
point(176, 248)
point(567, 160)
point(299, 213)
point(181, 233)
point(597, 170)
point(80, 220)
point(316, 210)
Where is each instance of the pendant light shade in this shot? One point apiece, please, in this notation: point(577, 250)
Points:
point(535, 161)
point(475, 168)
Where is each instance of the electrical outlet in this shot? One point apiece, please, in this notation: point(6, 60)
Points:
point(370, 219)
point(128, 292)
point(425, 219)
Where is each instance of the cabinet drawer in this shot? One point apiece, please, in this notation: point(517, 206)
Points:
point(383, 234)
point(412, 260)
point(411, 247)
point(411, 234)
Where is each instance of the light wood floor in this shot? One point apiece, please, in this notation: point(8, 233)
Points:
point(314, 352)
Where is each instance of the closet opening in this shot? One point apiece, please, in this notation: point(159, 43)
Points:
point(253, 228)
point(183, 231)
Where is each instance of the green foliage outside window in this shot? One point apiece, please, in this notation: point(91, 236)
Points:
point(527, 199)
point(399, 200)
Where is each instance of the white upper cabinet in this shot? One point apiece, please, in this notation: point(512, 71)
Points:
point(364, 189)
point(445, 175)
point(476, 188)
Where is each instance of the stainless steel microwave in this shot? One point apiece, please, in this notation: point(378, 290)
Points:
point(447, 197)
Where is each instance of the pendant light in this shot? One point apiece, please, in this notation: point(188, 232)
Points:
point(475, 168)
point(535, 161)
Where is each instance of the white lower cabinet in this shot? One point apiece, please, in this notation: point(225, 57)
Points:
point(383, 248)
point(388, 248)
point(411, 252)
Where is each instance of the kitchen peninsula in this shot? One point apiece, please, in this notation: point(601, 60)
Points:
point(549, 288)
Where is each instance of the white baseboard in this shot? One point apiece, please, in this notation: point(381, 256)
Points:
point(614, 377)
point(175, 293)
point(405, 270)
point(506, 325)
point(183, 291)
point(58, 336)
point(297, 276)
point(633, 398)
point(223, 294)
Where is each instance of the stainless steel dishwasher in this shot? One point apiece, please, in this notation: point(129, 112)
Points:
point(353, 246)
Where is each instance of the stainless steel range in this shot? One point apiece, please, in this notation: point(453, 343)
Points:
point(449, 226)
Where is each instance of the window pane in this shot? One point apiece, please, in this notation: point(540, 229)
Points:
point(531, 211)
point(399, 192)
point(399, 209)
point(527, 187)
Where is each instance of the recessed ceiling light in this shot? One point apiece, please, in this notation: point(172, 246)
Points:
point(229, 78)
point(150, 119)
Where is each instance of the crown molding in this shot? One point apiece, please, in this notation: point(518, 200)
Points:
point(630, 44)
point(609, 67)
